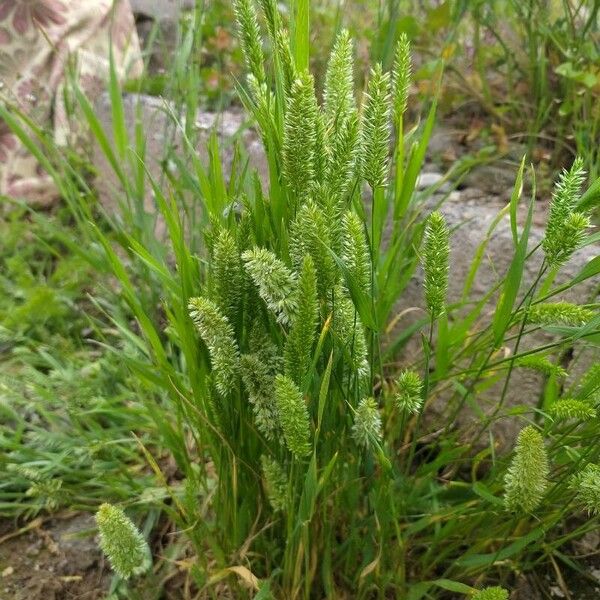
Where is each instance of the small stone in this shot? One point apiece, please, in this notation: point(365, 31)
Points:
point(425, 180)
point(8, 572)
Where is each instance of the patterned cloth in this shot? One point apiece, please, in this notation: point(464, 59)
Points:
point(41, 42)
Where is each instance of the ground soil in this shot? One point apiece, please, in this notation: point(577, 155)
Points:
point(52, 559)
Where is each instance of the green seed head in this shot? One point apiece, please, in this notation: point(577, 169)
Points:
point(275, 482)
point(376, 129)
point(409, 388)
point(401, 76)
point(566, 228)
point(367, 423)
point(121, 542)
point(526, 479)
point(276, 284)
point(491, 593)
point(218, 335)
point(569, 409)
point(293, 416)
point(587, 486)
point(436, 252)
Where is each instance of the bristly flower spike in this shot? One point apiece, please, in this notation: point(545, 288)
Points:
point(218, 335)
point(275, 482)
point(566, 227)
point(376, 129)
point(121, 542)
point(401, 76)
point(300, 137)
point(367, 423)
point(587, 485)
point(409, 388)
point(338, 96)
point(491, 593)
point(276, 284)
point(293, 416)
point(559, 313)
point(436, 252)
point(527, 477)
point(250, 38)
point(300, 340)
point(355, 251)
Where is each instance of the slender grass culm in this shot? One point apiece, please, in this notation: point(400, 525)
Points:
point(314, 458)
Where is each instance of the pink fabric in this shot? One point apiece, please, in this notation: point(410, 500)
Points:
point(40, 41)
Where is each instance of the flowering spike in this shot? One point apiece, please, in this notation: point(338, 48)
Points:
point(275, 482)
point(376, 129)
point(276, 284)
point(259, 381)
point(367, 423)
point(338, 95)
point(121, 542)
point(566, 227)
point(309, 234)
point(587, 485)
point(250, 38)
point(491, 593)
point(293, 416)
point(572, 409)
point(355, 252)
point(559, 313)
point(282, 43)
point(218, 335)
point(435, 264)
point(341, 166)
point(542, 365)
point(401, 75)
point(227, 275)
point(408, 395)
point(526, 478)
point(299, 343)
point(300, 137)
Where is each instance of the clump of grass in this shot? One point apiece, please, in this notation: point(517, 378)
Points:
point(266, 348)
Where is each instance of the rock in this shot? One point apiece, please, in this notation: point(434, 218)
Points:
point(164, 140)
point(161, 9)
point(427, 179)
point(469, 221)
point(496, 179)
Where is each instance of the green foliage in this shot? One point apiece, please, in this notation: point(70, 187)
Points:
point(121, 542)
point(300, 452)
point(526, 478)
